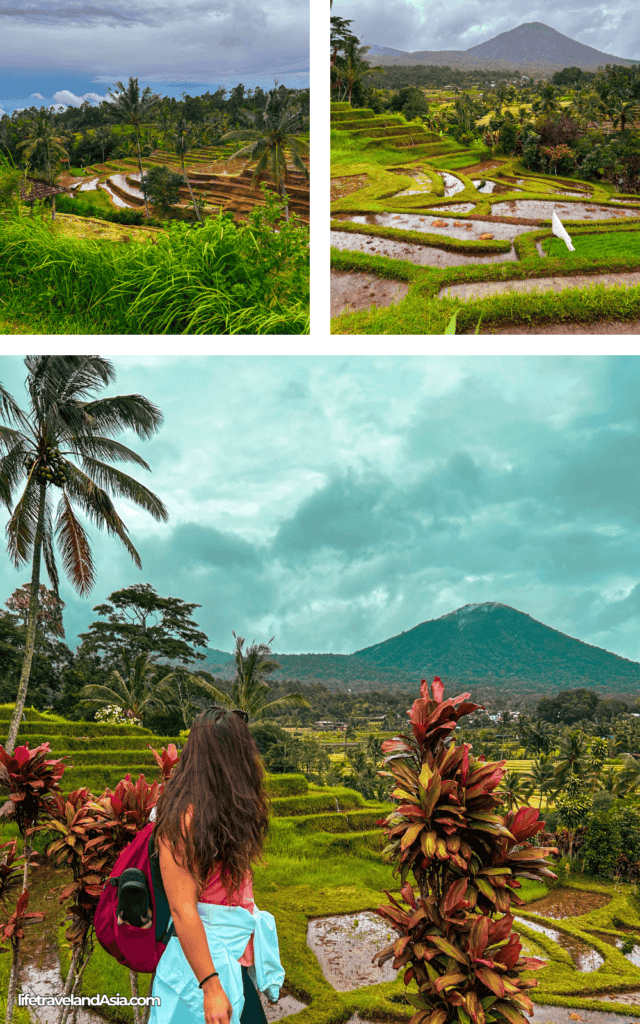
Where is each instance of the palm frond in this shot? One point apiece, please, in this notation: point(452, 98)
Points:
point(122, 411)
point(75, 548)
point(11, 410)
point(12, 470)
point(97, 505)
point(21, 528)
point(10, 437)
point(125, 486)
point(104, 448)
point(47, 545)
point(81, 375)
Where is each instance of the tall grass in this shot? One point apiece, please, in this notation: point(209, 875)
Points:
point(222, 278)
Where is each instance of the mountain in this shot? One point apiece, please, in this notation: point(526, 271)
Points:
point(533, 48)
point(479, 646)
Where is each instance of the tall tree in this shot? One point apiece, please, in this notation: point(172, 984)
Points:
point(248, 691)
point(64, 414)
point(130, 106)
point(138, 619)
point(182, 137)
point(275, 134)
point(44, 146)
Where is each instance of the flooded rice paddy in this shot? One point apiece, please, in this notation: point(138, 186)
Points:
point(352, 291)
point(345, 944)
point(564, 902)
point(584, 957)
point(543, 208)
point(454, 229)
point(413, 252)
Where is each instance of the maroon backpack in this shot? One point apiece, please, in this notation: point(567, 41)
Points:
point(132, 917)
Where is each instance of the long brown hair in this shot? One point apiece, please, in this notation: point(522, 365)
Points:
point(221, 775)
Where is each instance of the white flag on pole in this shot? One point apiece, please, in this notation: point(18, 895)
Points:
point(558, 229)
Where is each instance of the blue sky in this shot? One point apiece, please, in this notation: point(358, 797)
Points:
point(336, 501)
point(63, 51)
point(612, 27)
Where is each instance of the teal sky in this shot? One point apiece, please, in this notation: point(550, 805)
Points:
point(336, 501)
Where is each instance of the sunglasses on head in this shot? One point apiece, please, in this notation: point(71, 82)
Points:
point(211, 712)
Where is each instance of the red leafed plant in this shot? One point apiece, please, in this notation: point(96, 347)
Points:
point(465, 854)
point(167, 761)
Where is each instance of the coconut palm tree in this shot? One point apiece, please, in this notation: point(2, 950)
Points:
point(512, 789)
point(276, 133)
point(132, 690)
point(182, 137)
point(542, 775)
point(248, 691)
point(573, 755)
point(130, 106)
point(42, 145)
point(623, 110)
point(66, 422)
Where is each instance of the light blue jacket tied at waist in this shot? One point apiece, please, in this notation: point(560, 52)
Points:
point(228, 929)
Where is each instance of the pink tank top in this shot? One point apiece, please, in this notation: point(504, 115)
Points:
point(214, 892)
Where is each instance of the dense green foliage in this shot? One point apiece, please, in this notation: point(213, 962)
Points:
point(221, 278)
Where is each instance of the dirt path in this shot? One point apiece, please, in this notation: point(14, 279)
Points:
point(480, 289)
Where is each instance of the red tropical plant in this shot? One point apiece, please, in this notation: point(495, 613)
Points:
point(12, 930)
point(167, 761)
point(464, 854)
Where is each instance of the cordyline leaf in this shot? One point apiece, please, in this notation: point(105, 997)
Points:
point(455, 893)
point(509, 1013)
point(449, 979)
point(428, 843)
point(446, 947)
point(437, 1017)
point(491, 979)
point(437, 688)
point(410, 836)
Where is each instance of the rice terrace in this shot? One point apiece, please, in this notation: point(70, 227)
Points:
point(448, 183)
point(151, 215)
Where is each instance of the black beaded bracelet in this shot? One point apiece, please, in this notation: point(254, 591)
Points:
point(213, 975)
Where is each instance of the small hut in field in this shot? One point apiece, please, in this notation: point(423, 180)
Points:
point(35, 188)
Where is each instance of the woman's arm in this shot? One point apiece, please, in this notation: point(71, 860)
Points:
point(182, 893)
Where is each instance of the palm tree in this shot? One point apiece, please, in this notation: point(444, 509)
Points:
point(130, 106)
point(182, 138)
point(542, 775)
point(271, 140)
point(511, 786)
point(102, 136)
point(248, 691)
point(572, 755)
point(623, 110)
point(65, 415)
point(132, 691)
point(44, 144)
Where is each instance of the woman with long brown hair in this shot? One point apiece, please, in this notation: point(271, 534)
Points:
point(211, 823)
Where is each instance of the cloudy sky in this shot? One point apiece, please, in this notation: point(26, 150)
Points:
point(335, 502)
point(64, 51)
point(611, 27)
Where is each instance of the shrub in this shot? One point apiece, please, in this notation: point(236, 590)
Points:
point(162, 187)
point(465, 856)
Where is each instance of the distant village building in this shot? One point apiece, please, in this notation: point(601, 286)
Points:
point(324, 724)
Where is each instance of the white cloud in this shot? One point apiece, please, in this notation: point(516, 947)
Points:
point(36, 96)
point(71, 100)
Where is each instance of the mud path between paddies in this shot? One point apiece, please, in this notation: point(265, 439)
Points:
point(352, 290)
point(568, 327)
point(421, 255)
point(481, 289)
